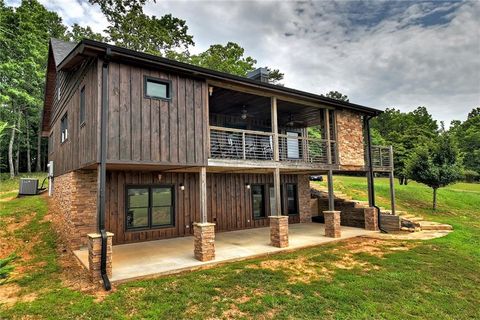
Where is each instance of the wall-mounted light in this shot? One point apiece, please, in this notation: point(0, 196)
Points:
point(159, 177)
point(210, 91)
point(244, 114)
point(182, 187)
point(247, 185)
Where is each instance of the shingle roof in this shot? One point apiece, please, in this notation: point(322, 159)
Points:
point(61, 49)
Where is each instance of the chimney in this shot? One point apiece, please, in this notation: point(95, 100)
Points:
point(260, 74)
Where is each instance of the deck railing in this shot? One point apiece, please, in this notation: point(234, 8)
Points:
point(230, 143)
point(382, 157)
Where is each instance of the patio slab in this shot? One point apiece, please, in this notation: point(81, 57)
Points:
point(145, 259)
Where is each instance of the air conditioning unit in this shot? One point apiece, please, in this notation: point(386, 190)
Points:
point(28, 186)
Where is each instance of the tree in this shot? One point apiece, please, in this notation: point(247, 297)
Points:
point(337, 96)
point(229, 58)
point(79, 33)
point(436, 164)
point(131, 28)
point(405, 131)
point(24, 35)
point(467, 136)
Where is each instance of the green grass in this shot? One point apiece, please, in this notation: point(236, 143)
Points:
point(435, 279)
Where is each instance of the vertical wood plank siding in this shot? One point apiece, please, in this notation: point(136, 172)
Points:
point(80, 149)
point(155, 131)
point(229, 202)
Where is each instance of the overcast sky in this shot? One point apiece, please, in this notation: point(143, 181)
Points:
point(381, 54)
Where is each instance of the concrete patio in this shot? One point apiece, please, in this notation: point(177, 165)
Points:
point(138, 260)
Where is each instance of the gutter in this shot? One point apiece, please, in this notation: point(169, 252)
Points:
point(371, 176)
point(103, 171)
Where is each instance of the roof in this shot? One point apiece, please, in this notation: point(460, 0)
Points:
point(61, 49)
point(67, 55)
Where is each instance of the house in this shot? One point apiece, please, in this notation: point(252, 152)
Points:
point(145, 148)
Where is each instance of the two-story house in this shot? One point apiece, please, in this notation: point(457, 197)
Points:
point(145, 148)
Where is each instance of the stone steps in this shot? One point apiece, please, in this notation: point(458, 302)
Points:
point(402, 220)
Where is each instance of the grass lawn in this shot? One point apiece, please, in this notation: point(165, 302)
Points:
point(354, 279)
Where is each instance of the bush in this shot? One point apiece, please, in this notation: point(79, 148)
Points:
point(471, 176)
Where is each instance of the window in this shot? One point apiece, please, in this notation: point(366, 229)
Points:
point(149, 207)
point(82, 105)
point(64, 128)
point(292, 198)
point(157, 88)
point(258, 201)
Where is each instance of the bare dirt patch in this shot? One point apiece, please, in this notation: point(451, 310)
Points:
point(10, 294)
point(298, 270)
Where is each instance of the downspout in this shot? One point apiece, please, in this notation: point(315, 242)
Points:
point(103, 170)
point(371, 176)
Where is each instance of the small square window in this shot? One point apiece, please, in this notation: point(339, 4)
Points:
point(157, 88)
point(82, 105)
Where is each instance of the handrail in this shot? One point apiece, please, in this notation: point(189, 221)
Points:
point(241, 130)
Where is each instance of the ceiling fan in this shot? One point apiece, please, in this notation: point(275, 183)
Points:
point(294, 123)
point(244, 113)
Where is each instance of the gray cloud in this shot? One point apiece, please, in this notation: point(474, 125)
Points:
point(381, 54)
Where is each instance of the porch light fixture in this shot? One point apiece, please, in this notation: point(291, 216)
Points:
point(244, 112)
point(182, 187)
point(159, 177)
point(247, 185)
point(210, 91)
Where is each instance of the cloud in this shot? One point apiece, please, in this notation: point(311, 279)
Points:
point(381, 54)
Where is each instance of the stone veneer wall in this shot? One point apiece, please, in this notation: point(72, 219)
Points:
point(304, 198)
point(350, 142)
point(74, 204)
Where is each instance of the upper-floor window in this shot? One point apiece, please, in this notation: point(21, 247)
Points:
point(64, 128)
point(82, 105)
point(157, 88)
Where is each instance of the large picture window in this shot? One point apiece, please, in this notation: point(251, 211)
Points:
point(258, 201)
point(149, 207)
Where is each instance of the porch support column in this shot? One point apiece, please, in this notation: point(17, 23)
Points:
point(204, 232)
point(95, 254)
point(278, 223)
point(392, 181)
point(274, 116)
point(332, 217)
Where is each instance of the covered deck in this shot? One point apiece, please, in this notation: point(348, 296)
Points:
point(161, 257)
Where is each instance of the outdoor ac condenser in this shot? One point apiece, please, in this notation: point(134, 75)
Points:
point(28, 186)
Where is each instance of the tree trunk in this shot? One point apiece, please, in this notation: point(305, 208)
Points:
point(17, 153)
point(38, 168)
point(434, 198)
point(27, 133)
point(10, 152)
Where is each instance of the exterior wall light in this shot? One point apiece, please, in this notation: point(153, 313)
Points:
point(247, 185)
point(182, 187)
point(210, 91)
point(159, 177)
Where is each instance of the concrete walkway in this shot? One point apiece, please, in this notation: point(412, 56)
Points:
point(139, 260)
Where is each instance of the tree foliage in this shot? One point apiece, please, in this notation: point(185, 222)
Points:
point(436, 164)
point(337, 96)
point(405, 131)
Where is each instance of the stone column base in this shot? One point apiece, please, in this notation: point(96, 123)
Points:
point(204, 241)
point(371, 218)
point(332, 224)
point(95, 255)
point(279, 231)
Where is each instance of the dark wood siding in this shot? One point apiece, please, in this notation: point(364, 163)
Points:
point(229, 202)
point(155, 131)
point(80, 149)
